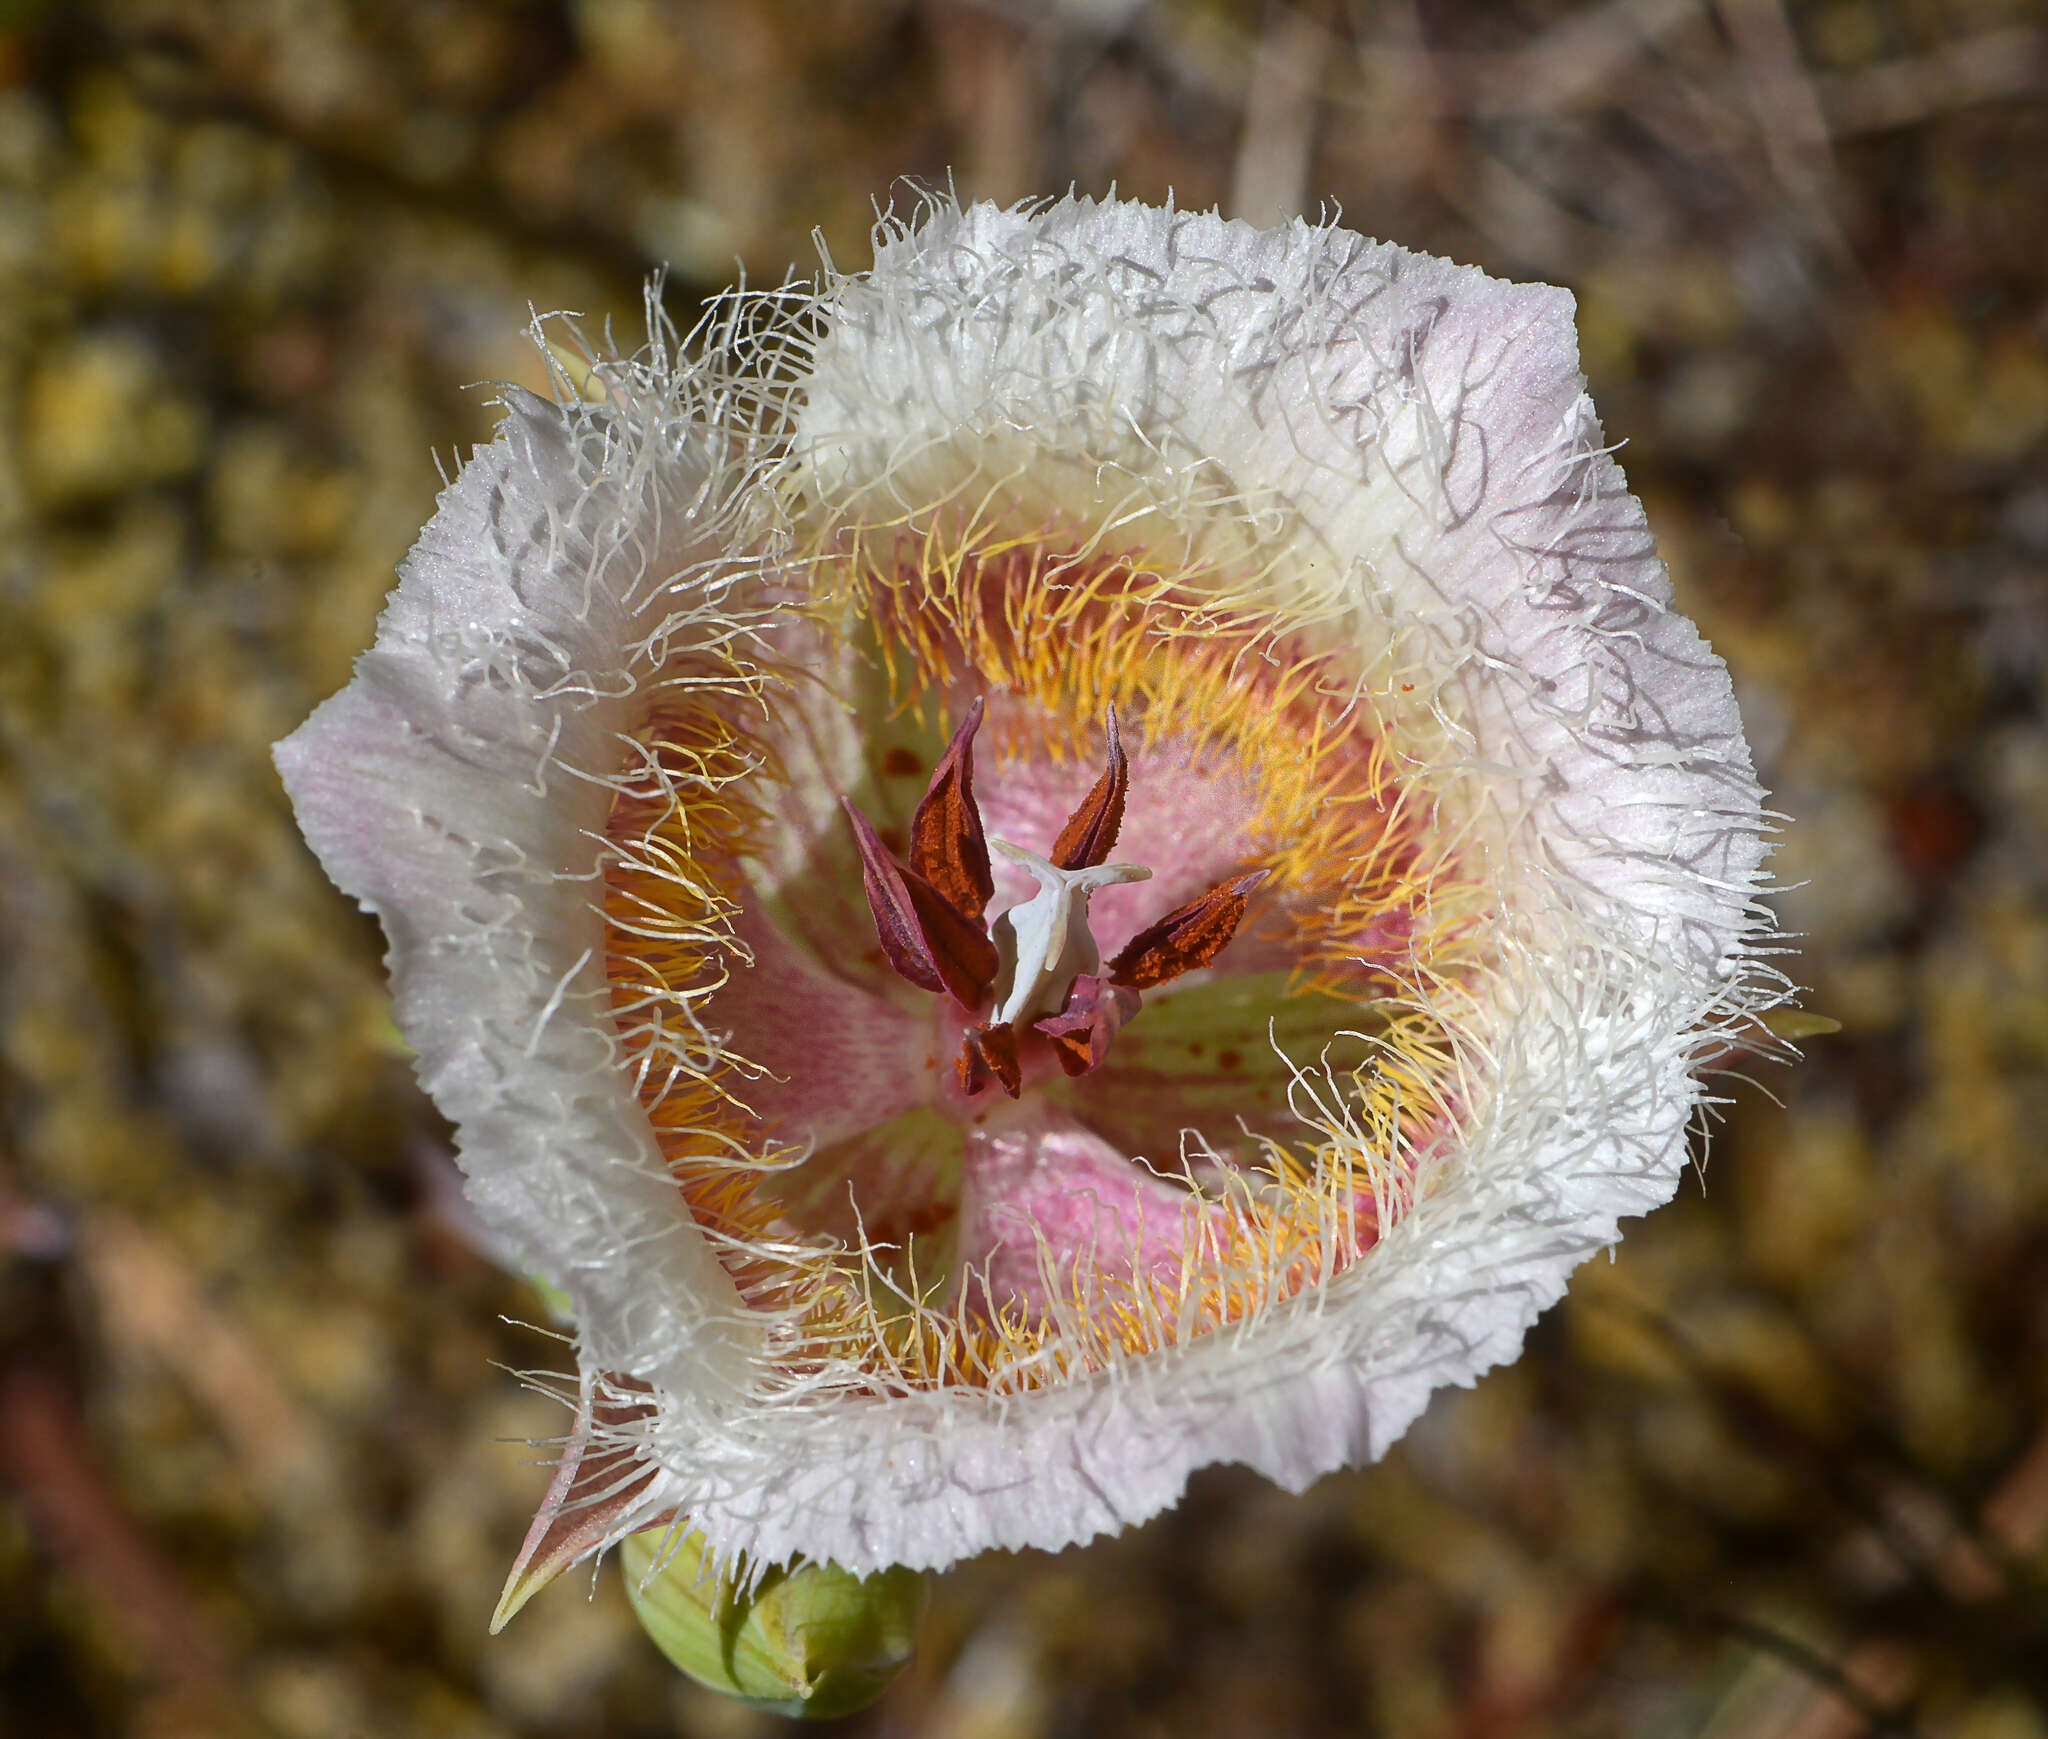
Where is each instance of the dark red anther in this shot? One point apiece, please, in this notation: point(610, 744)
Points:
point(989, 1053)
point(924, 936)
point(929, 916)
point(1187, 937)
point(1081, 1032)
point(946, 843)
point(1090, 833)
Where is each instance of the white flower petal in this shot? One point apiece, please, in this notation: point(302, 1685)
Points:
point(444, 789)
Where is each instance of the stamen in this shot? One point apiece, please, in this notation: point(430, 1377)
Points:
point(1081, 1032)
point(990, 1053)
point(1090, 833)
point(1187, 937)
point(926, 939)
point(946, 844)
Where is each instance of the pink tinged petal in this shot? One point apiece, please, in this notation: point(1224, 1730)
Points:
point(947, 846)
point(1047, 1207)
point(1090, 833)
point(1081, 1032)
point(926, 940)
point(897, 1181)
point(1188, 937)
point(590, 1501)
point(1424, 423)
point(829, 1058)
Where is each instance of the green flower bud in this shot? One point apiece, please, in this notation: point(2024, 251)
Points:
point(812, 1640)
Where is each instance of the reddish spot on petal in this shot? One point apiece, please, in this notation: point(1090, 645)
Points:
point(900, 763)
point(1229, 1059)
point(913, 1222)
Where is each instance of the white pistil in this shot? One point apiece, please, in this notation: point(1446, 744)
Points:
point(1044, 942)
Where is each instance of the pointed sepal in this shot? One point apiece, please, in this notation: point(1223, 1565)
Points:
point(596, 1487)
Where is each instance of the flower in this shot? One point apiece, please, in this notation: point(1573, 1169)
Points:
point(737, 773)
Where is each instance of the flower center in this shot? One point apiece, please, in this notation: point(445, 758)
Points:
point(819, 997)
point(1037, 972)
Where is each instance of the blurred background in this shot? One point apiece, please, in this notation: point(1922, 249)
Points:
point(1780, 1469)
